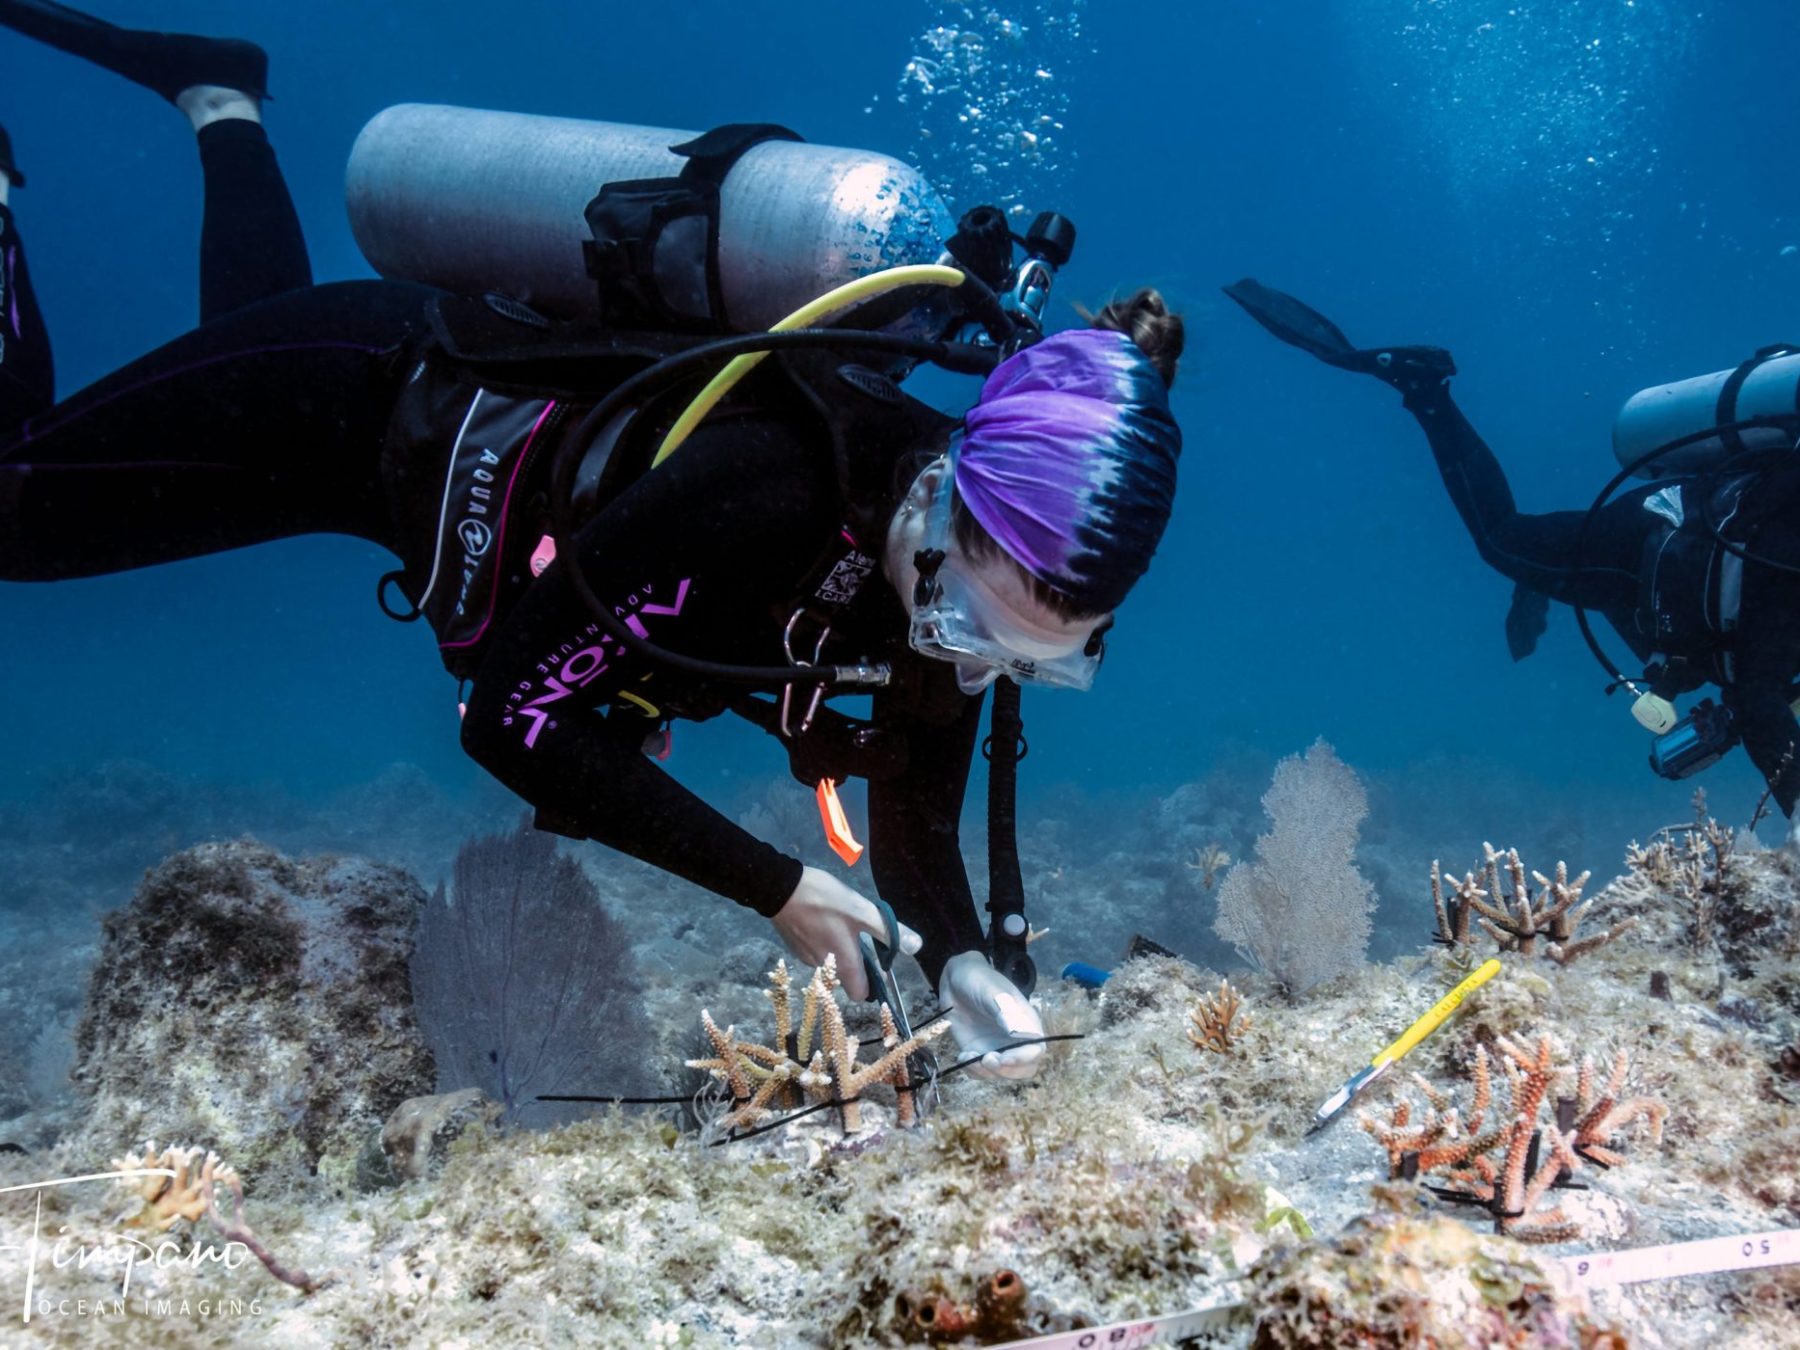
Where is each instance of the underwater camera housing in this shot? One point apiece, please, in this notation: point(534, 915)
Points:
point(1698, 741)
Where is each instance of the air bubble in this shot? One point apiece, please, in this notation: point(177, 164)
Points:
point(983, 80)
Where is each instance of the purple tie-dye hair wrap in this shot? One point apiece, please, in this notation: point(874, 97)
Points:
point(1068, 461)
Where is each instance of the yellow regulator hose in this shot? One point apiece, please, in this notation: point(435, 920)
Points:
point(839, 298)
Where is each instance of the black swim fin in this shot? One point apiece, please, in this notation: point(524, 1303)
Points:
point(1409, 369)
point(1526, 620)
point(1294, 323)
point(164, 62)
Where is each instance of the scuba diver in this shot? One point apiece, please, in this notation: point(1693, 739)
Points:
point(1698, 570)
point(488, 445)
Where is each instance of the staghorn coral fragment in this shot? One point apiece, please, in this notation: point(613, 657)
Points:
point(1453, 915)
point(1691, 867)
point(1501, 901)
point(1508, 1166)
point(1217, 1025)
point(764, 1080)
point(1515, 918)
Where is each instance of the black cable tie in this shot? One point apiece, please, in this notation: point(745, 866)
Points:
point(929, 1080)
point(1458, 1197)
point(734, 1137)
point(1002, 1049)
point(917, 1028)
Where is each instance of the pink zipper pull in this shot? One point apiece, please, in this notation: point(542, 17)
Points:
point(543, 555)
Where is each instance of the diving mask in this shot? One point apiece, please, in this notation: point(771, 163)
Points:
point(959, 616)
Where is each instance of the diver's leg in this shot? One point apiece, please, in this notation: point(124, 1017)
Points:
point(251, 247)
point(1555, 553)
point(261, 425)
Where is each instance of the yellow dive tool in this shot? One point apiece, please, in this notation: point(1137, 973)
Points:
point(838, 298)
point(1417, 1032)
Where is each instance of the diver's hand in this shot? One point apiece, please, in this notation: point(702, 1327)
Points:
point(988, 1012)
point(824, 917)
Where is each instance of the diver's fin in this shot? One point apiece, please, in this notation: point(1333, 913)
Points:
point(164, 62)
point(1411, 370)
point(1526, 620)
point(1294, 323)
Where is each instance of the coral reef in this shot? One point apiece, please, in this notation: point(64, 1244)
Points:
point(1134, 1177)
point(258, 1004)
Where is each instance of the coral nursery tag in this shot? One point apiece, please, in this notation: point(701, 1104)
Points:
point(1225, 1325)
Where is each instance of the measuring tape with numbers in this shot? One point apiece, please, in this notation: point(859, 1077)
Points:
point(1707, 1256)
point(1219, 1326)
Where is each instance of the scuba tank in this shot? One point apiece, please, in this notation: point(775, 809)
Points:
point(1700, 428)
point(1699, 420)
point(723, 232)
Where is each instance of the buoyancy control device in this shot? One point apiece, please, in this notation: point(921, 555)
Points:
point(1716, 432)
point(647, 227)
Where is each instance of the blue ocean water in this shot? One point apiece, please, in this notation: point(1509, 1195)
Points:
point(1579, 198)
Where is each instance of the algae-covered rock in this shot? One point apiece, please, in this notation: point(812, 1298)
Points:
point(1396, 1279)
point(419, 1133)
point(257, 1005)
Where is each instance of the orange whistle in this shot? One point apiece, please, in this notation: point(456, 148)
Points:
point(837, 825)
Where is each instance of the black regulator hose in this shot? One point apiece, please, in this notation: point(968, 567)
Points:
point(961, 358)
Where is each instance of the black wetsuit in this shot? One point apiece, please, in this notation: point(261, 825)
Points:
point(1658, 585)
point(269, 420)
